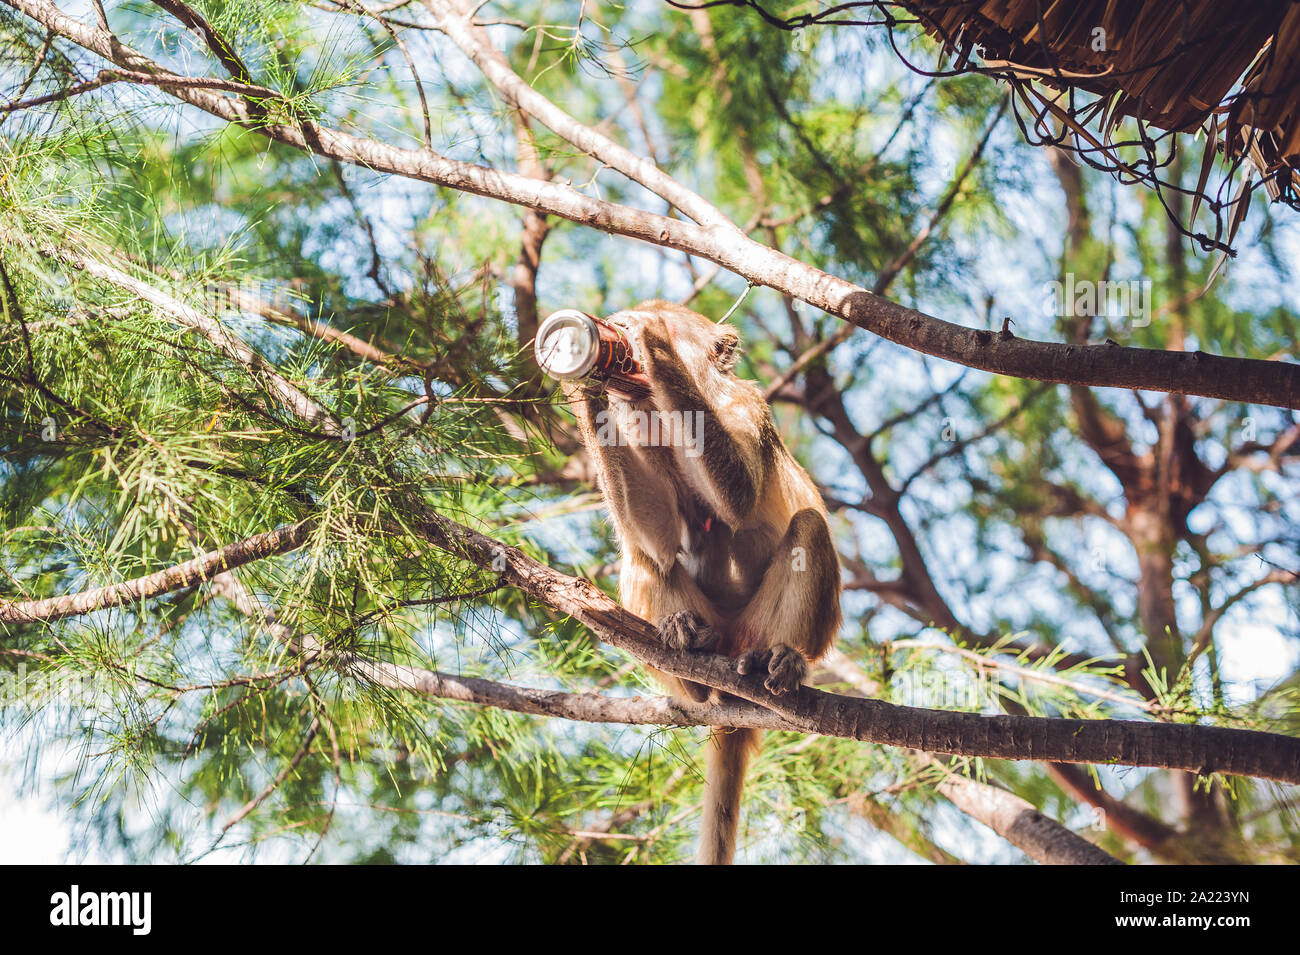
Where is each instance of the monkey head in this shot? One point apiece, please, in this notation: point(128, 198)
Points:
point(668, 339)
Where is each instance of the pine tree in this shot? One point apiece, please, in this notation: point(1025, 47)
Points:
point(256, 377)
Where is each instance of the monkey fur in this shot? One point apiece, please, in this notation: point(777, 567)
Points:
point(724, 539)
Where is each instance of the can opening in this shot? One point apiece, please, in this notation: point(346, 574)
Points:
point(567, 344)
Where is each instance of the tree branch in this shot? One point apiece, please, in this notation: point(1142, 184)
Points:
point(1195, 748)
point(279, 541)
point(900, 829)
point(1192, 373)
point(473, 41)
point(231, 345)
point(1016, 820)
point(216, 43)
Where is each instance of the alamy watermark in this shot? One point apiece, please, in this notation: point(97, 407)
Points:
point(78, 688)
point(941, 689)
point(248, 295)
point(1123, 299)
point(670, 429)
point(75, 907)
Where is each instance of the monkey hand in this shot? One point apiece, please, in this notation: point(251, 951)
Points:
point(686, 630)
point(785, 667)
point(659, 353)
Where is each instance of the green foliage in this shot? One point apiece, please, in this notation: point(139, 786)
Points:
point(130, 441)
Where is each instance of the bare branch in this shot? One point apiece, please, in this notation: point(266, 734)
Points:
point(1042, 839)
point(280, 777)
point(956, 447)
point(1195, 748)
point(203, 567)
point(1211, 619)
point(1191, 373)
point(456, 22)
point(106, 77)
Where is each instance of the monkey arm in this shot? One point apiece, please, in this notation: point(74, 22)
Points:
point(734, 448)
point(641, 497)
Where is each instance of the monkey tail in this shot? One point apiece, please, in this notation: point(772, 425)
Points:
point(726, 756)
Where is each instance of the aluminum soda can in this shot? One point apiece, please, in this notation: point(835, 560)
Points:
point(571, 344)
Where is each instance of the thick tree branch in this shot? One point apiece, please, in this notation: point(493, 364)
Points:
point(583, 707)
point(1192, 373)
point(1195, 748)
point(1017, 821)
point(1007, 814)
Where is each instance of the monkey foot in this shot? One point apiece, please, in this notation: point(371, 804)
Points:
point(785, 667)
point(686, 630)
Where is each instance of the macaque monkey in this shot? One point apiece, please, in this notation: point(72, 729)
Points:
point(724, 538)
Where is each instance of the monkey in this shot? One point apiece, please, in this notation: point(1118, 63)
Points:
point(724, 539)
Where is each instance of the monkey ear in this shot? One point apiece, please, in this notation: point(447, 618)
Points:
point(724, 350)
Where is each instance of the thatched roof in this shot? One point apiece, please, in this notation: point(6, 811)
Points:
point(1078, 67)
point(1174, 65)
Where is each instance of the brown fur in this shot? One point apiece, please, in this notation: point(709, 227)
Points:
point(736, 535)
